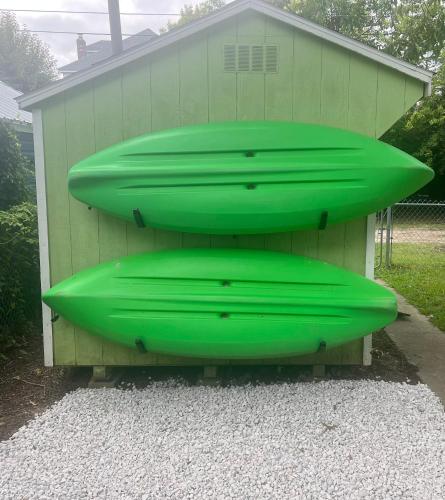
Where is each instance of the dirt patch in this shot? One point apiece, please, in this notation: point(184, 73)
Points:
point(418, 235)
point(27, 388)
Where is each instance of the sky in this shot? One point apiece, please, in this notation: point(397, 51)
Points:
point(63, 47)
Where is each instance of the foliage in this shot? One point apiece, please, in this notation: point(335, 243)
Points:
point(421, 132)
point(190, 12)
point(413, 30)
point(14, 169)
point(19, 272)
point(420, 280)
point(25, 61)
point(417, 33)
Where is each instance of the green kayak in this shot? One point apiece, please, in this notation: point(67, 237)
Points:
point(246, 177)
point(223, 303)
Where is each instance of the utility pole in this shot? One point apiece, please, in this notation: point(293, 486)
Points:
point(115, 26)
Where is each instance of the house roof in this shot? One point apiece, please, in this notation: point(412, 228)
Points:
point(101, 50)
point(232, 9)
point(9, 109)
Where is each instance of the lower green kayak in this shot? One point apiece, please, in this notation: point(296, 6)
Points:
point(223, 303)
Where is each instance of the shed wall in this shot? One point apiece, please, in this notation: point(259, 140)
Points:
point(316, 82)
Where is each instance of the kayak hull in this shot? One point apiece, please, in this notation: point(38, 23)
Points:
point(223, 303)
point(246, 177)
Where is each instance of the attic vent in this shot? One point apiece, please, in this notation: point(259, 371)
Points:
point(229, 58)
point(257, 58)
point(271, 59)
point(254, 58)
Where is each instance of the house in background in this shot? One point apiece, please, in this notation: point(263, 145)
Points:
point(89, 55)
point(20, 121)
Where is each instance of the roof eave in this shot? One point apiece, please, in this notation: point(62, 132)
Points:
point(29, 100)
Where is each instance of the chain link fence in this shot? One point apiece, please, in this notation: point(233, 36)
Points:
point(410, 254)
point(410, 229)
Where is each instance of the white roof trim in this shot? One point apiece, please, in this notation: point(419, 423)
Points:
point(230, 10)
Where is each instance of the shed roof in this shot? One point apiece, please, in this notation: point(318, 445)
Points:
point(9, 109)
point(232, 9)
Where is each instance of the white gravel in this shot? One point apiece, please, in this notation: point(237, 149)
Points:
point(333, 439)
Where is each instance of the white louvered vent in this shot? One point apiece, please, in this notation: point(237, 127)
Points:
point(271, 59)
point(243, 57)
point(229, 57)
point(254, 58)
point(257, 62)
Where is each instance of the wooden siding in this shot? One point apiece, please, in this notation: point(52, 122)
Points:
point(316, 82)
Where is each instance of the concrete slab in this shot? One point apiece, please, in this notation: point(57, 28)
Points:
point(422, 343)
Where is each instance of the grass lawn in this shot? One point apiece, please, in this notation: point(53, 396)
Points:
point(418, 273)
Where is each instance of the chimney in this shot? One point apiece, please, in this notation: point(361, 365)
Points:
point(81, 46)
point(115, 26)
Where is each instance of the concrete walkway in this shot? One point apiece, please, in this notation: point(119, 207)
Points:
point(422, 343)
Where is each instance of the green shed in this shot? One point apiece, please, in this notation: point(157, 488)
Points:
point(247, 61)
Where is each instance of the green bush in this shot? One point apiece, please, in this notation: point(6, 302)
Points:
point(19, 248)
point(14, 169)
point(19, 273)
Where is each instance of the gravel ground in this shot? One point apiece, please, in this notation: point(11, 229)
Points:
point(331, 439)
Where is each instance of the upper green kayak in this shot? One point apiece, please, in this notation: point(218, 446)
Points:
point(223, 303)
point(246, 177)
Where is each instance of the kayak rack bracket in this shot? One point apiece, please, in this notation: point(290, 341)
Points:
point(322, 346)
point(140, 346)
point(323, 220)
point(138, 218)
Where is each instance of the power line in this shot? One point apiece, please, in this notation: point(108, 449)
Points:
point(81, 32)
point(91, 12)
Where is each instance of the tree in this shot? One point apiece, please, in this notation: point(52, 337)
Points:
point(417, 34)
point(13, 169)
point(421, 132)
point(190, 12)
point(363, 20)
point(25, 61)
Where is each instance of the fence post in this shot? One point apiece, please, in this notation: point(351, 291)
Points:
point(388, 236)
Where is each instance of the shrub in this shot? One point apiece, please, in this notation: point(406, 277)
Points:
point(14, 169)
point(19, 273)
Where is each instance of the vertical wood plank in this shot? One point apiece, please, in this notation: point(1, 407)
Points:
point(362, 96)
point(334, 86)
point(56, 169)
point(193, 90)
point(279, 86)
point(355, 245)
point(307, 52)
point(390, 99)
point(84, 223)
point(221, 84)
point(413, 92)
point(165, 90)
point(250, 86)
point(108, 118)
point(305, 243)
point(136, 119)
point(136, 109)
point(195, 240)
point(224, 241)
point(279, 242)
point(331, 244)
point(108, 131)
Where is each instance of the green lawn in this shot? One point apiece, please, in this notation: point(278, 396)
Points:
point(418, 273)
